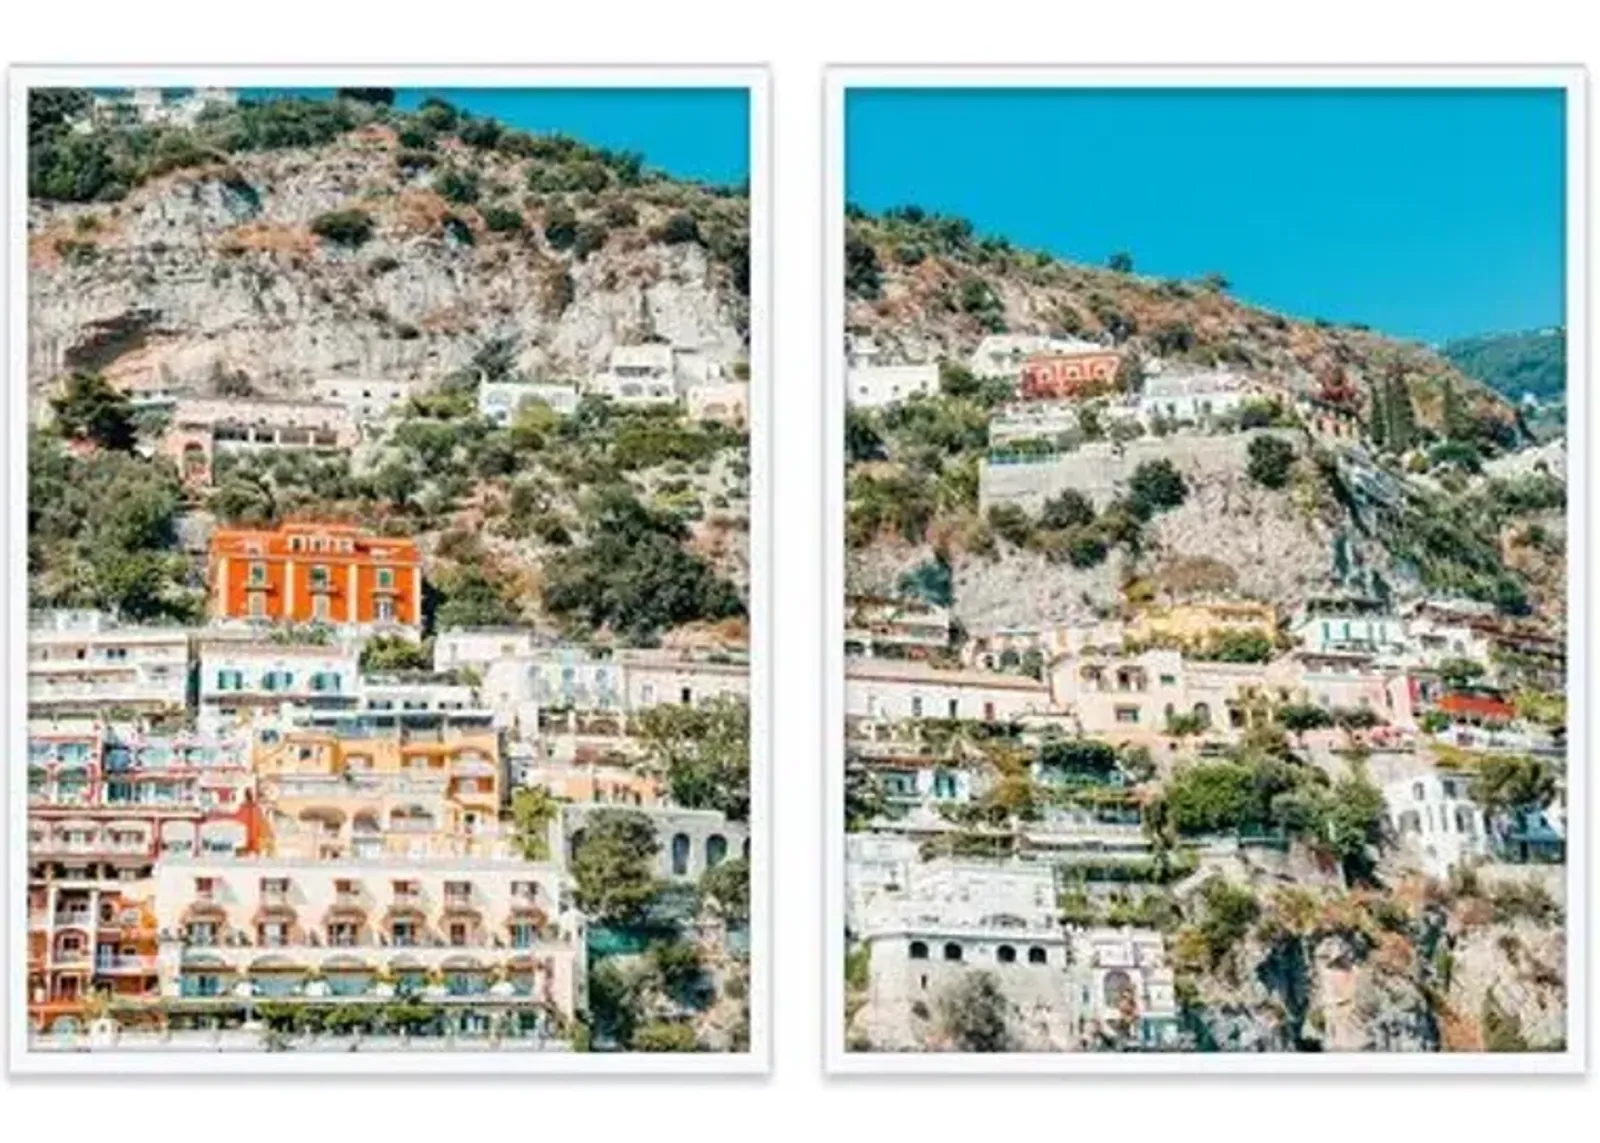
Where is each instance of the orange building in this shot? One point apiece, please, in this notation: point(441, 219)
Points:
point(1052, 376)
point(316, 573)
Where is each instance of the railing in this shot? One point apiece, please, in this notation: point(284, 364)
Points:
point(118, 964)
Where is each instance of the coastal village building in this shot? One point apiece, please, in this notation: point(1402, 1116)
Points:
point(874, 386)
point(485, 939)
point(306, 572)
point(1004, 356)
point(1192, 396)
point(1041, 421)
point(690, 841)
point(949, 917)
point(105, 804)
point(366, 401)
point(1436, 821)
point(242, 678)
point(202, 428)
point(1190, 624)
point(1349, 624)
point(726, 403)
point(418, 784)
point(1068, 372)
point(501, 401)
point(84, 662)
point(895, 628)
point(640, 374)
point(1126, 990)
point(879, 691)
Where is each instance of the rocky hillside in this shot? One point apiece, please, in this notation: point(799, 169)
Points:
point(1411, 478)
point(392, 245)
point(928, 288)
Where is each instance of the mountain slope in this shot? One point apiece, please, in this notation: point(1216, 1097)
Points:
point(1533, 363)
point(218, 264)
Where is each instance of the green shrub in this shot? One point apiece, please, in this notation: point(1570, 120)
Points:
point(350, 228)
point(502, 220)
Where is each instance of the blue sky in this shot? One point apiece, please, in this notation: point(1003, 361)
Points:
point(1424, 213)
point(693, 133)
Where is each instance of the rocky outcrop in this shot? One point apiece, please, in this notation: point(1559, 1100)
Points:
point(219, 268)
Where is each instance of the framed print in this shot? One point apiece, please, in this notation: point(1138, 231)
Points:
point(388, 556)
point(1207, 583)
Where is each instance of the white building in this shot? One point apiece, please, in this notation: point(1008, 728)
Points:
point(951, 917)
point(476, 647)
point(726, 403)
point(1037, 420)
point(1437, 823)
point(1001, 356)
point(1125, 987)
point(1349, 626)
point(874, 386)
point(500, 401)
point(895, 627)
point(367, 401)
point(241, 677)
point(691, 841)
point(1194, 396)
point(640, 374)
point(85, 662)
point(884, 690)
point(486, 933)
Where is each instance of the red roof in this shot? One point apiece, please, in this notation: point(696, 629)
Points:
point(1477, 706)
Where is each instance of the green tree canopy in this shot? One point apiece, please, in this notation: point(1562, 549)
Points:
point(614, 866)
point(703, 751)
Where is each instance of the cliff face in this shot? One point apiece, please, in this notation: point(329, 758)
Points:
point(219, 268)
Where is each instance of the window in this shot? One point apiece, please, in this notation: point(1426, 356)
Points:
point(319, 608)
point(385, 611)
point(258, 575)
point(952, 952)
point(988, 712)
point(686, 696)
point(385, 578)
point(919, 950)
point(202, 934)
point(458, 934)
point(1169, 680)
point(319, 577)
point(955, 708)
point(1006, 954)
point(916, 706)
point(1128, 715)
point(1037, 955)
point(405, 934)
point(258, 605)
point(523, 935)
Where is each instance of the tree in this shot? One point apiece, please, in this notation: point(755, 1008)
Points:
point(384, 653)
point(677, 965)
point(726, 887)
point(1130, 373)
point(1121, 262)
point(703, 751)
point(1503, 782)
point(533, 808)
point(1297, 718)
point(863, 276)
point(1156, 485)
point(1010, 523)
point(976, 1014)
point(678, 229)
point(1232, 645)
point(377, 96)
point(91, 409)
point(862, 440)
point(1271, 458)
point(1228, 914)
point(351, 228)
point(561, 227)
point(614, 865)
point(472, 599)
point(1459, 672)
point(1354, 825)
point(1211, 797)
point(1071, 509)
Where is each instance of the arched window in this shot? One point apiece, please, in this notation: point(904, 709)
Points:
point(1005, 954)
point(1117, 985)
point(1202, 714)
point(1037, 955)
point(716, 850)
point(919, 950)
point(952, 951)
point(680, 854)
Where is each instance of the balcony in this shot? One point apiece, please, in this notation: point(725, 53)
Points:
point(119, 965)
point(75, 918)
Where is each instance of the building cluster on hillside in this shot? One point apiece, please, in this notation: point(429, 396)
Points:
point(226, 816)
point(953, 867)
point(339, 413)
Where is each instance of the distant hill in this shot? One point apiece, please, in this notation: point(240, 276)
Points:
point(1533, 362)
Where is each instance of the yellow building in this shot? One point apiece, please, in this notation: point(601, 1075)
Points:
point(421, 785)
point(1190, 625)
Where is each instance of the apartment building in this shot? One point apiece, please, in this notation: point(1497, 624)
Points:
point(201, 428)
point(106, 804)
point(315, 572)
point(371, 785)
point(84, 662)
point(883, 690)
point(484, 939)
point(242, 677)
point(501, 401)
point(1125, 988)
point(366, 401)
